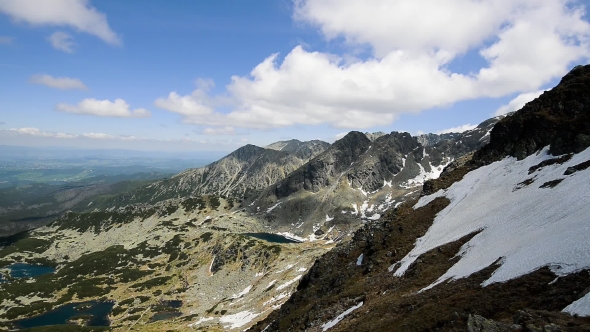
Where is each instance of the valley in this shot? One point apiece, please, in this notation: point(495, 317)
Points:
point(371, 233)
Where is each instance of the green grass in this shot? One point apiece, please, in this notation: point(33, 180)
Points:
point(154, 282)
point(27, 244)
point(66, 328)
point(206, 236)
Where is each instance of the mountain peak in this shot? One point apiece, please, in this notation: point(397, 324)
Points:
point(558, 118)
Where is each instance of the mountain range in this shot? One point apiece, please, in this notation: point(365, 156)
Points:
point(483, 230)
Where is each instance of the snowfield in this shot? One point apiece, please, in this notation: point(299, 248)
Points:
point(526, 226)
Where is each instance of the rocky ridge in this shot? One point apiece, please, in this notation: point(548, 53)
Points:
point(366, 284)
point(248, 169)
point(359, 177)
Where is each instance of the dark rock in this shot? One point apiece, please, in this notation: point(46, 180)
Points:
point(476, 323)
point(559, 118)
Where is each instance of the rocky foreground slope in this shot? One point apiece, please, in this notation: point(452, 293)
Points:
point(496, 244)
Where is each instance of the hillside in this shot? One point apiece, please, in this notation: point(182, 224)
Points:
point(249, 168)
point(497, 244)
point(359, 177)
point(436, 232)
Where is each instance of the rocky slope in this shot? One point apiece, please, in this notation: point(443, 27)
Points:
point(179, 265)
point(498, 243)
point(303, 150)
point(359, 177)
point(249, 168)
point(34, 205)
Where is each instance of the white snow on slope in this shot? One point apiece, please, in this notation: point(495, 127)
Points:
point(273, 207)
point(528, 228)
point(202, 320)
point(340, 317)
point(242, 293)
point(359, 260)
point(291, 236)
point(424, 176)
point(289, 283)
point(580, 307)
point(328, 218)
point(237, 320)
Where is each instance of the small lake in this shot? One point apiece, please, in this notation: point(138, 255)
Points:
point(271, 237)
point(172, 303)
point(21, 270)
point(97, 311)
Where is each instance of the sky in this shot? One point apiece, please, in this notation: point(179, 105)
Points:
point(215, 75)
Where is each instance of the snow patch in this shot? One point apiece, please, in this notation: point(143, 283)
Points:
point(238, 320)
point(424, 175)
point(580, 307)
point(242, 293)
point(277, 298)
point(340, 317)
point(202, 320)
point(291, 236)
point(288, 283)
point(328, 218)
point(536, 226)
point(359, 260)
point(273, 207)
point(356, 210)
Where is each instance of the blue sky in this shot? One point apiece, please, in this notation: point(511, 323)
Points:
point(215, 75)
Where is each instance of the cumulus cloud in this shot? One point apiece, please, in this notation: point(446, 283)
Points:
point(77, 14)
point(458, 129)
point(518, 102)
point(196, 105)
point(36, 132)
point(117, 109)
point(227, 130)
point(6, 40)
point(62, 41)
point(63, 83)
point(523, 45)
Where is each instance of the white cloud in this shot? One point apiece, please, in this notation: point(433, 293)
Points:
point(518, 102)
point(78, 14)
point(6, 40)
point(227, 130)
point(340, 135)
point(524, 44)
point(36, 132)
point(63, 83)
point(95, 136)
point(198, 104)
point(62, 41)
point(458, 129)
point(98, 136)
point(128, 138)
point(118, 109)
point(427, 24)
